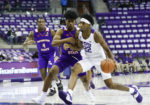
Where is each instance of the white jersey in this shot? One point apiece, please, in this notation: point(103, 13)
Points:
point(91, 48)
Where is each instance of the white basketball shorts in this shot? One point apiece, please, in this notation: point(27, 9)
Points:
point(88, 63)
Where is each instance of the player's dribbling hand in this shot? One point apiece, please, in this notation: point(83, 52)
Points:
point(66, 46)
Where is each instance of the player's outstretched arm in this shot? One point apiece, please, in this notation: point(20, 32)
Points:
point(99, 39)
point(57, 41)
point(30, 39)
point(72, 47)
point(78, 44)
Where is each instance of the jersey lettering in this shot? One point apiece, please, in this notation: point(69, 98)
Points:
point(87, 47)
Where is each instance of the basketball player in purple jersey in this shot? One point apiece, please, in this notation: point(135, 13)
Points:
point(95, 48)
point(67, 58)
point(43, 38)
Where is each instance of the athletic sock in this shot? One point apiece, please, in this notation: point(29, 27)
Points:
point(70, 91)
point(131, 90)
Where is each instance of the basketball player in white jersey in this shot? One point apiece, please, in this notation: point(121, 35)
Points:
point(95, 48)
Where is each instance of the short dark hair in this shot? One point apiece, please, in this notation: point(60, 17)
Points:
point(88, 17)
point(70, 14)
point(40, 18)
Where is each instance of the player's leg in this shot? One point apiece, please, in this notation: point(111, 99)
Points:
point(43, 73)
point(133, 90)
point(81, 66)
point(50, 77)
point(92, 85)
point(43, 63)
point(42, 66)
point(47, 83)
point(59, 66)
point(52, 89)
point(86, 80)
point(52, 86)
point(56, 80)
point(116, 86)
point(77, 69)
point(67, 96)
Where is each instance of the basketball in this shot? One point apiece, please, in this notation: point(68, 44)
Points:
point(107, 65)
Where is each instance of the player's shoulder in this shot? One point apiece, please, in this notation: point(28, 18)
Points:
point(97, 33)
point(61, 29)
point(97, 36)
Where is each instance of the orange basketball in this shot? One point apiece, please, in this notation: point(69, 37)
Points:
point(108, 65)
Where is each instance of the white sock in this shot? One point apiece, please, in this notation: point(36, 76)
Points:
point(53, 83)
point(131, 90)
point(89, 92)
point(70, 91)
point(90, 96)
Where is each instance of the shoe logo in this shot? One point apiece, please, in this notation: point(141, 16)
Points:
point(69, 98)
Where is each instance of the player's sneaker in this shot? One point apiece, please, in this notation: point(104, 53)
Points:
point(90, 96)
point(92, 85)
point(52, 92)
point(136, 94)
point(60, 86)
point(40, 99)
point(66, 97)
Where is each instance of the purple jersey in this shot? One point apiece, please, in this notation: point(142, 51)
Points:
point(69, 52)
point(69, 57)
point(43, 41)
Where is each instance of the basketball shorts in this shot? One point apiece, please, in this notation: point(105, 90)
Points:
point(65, 61)
point(45, 61)
point(87, 64)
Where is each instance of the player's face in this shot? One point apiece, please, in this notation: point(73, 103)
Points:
point(41, 23)
point(84, 26)
point(70, 24)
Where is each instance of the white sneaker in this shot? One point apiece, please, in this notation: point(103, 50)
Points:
point(40, 99)
point(136, 94)
point(91, 97)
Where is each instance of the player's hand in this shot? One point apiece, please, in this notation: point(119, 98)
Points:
point(30, 42)
point(72, 40)
point(66, 46)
